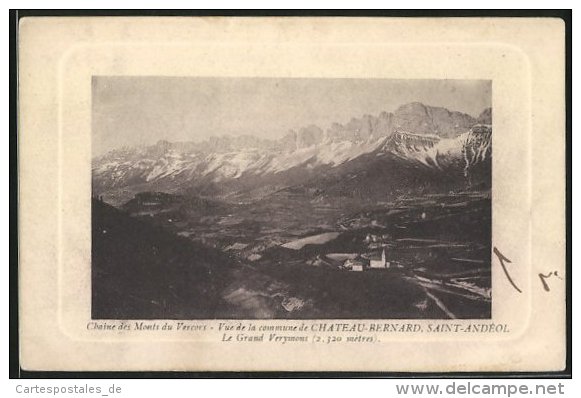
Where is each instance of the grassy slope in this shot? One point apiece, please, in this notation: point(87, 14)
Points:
point(140, 271)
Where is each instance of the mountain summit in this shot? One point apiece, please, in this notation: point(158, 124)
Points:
point(421, 138)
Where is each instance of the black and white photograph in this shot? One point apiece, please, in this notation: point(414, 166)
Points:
point(290, 198)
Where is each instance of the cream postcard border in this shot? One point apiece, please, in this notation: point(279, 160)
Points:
point(524, 58)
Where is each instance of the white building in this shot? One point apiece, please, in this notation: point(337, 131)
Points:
point(354, 264)
point(379, 263)
point(357, 267)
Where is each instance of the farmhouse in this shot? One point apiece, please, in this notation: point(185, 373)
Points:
point(354, 264)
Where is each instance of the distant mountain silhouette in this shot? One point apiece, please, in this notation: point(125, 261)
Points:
point(433, 142)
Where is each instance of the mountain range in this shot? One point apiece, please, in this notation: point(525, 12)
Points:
point(414, 149)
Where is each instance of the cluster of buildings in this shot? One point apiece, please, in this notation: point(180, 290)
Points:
point(353, 261)
point(361, 263)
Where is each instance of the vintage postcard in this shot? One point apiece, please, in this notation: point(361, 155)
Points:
point(305, 194)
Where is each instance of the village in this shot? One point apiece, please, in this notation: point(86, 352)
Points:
point(353, 261)
point(370, 253)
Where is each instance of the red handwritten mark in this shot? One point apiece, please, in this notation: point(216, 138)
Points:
point(544, 277)
point(503, 259)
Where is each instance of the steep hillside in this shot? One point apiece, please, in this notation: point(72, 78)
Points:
point(140, 271)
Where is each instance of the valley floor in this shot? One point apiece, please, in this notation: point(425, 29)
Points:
point(294, 259)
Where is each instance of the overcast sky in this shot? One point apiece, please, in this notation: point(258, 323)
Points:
point(142, 110)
